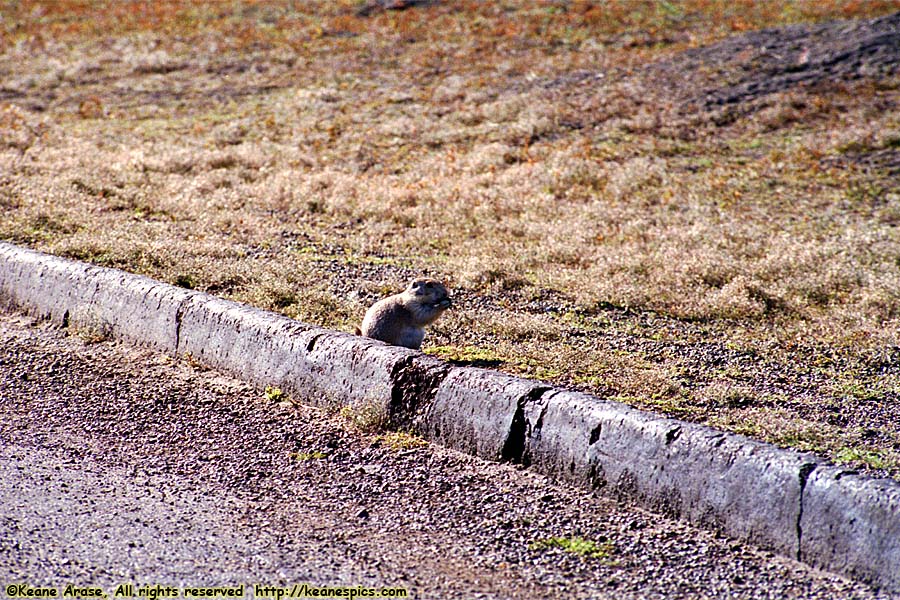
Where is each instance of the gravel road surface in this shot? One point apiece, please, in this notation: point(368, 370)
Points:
point(122, 465)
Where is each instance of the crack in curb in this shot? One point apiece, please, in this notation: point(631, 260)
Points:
point(536, 430)
point(179, 315)
point(414, 386)
point(311, 344)
point(514, 447)
point(804, 474)
point(673, 434)
point(595, 434)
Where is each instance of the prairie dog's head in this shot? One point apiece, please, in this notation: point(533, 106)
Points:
point(428, 292)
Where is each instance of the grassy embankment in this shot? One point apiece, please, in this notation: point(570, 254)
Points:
point(600, 229)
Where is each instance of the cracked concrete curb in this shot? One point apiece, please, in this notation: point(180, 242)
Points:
point(747, 489)
point(792, 503)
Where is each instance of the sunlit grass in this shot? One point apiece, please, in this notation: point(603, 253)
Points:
point(307, 159)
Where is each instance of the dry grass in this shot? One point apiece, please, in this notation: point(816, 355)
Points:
point(306, 159)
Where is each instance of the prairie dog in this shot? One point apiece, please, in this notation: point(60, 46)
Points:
point(400, 319)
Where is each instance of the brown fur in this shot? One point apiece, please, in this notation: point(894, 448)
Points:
point(400, 319)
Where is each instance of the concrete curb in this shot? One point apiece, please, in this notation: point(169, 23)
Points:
point(793, 503)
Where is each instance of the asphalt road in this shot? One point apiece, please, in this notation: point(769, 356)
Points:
point(122, 465)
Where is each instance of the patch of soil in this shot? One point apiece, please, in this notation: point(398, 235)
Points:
point(747, 67)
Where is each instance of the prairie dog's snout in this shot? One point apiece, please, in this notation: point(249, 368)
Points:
point(401, 319)
point(430, 293)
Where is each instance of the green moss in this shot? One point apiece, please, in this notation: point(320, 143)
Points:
point(185, 280)
point(398, 440)
point(575, 545)
point(274, 394)
point(304, 456)
point(366, 417)
point(805, 439)
point(737, 424)
point(533, 370)
point(676, 406)
point(869, 458)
